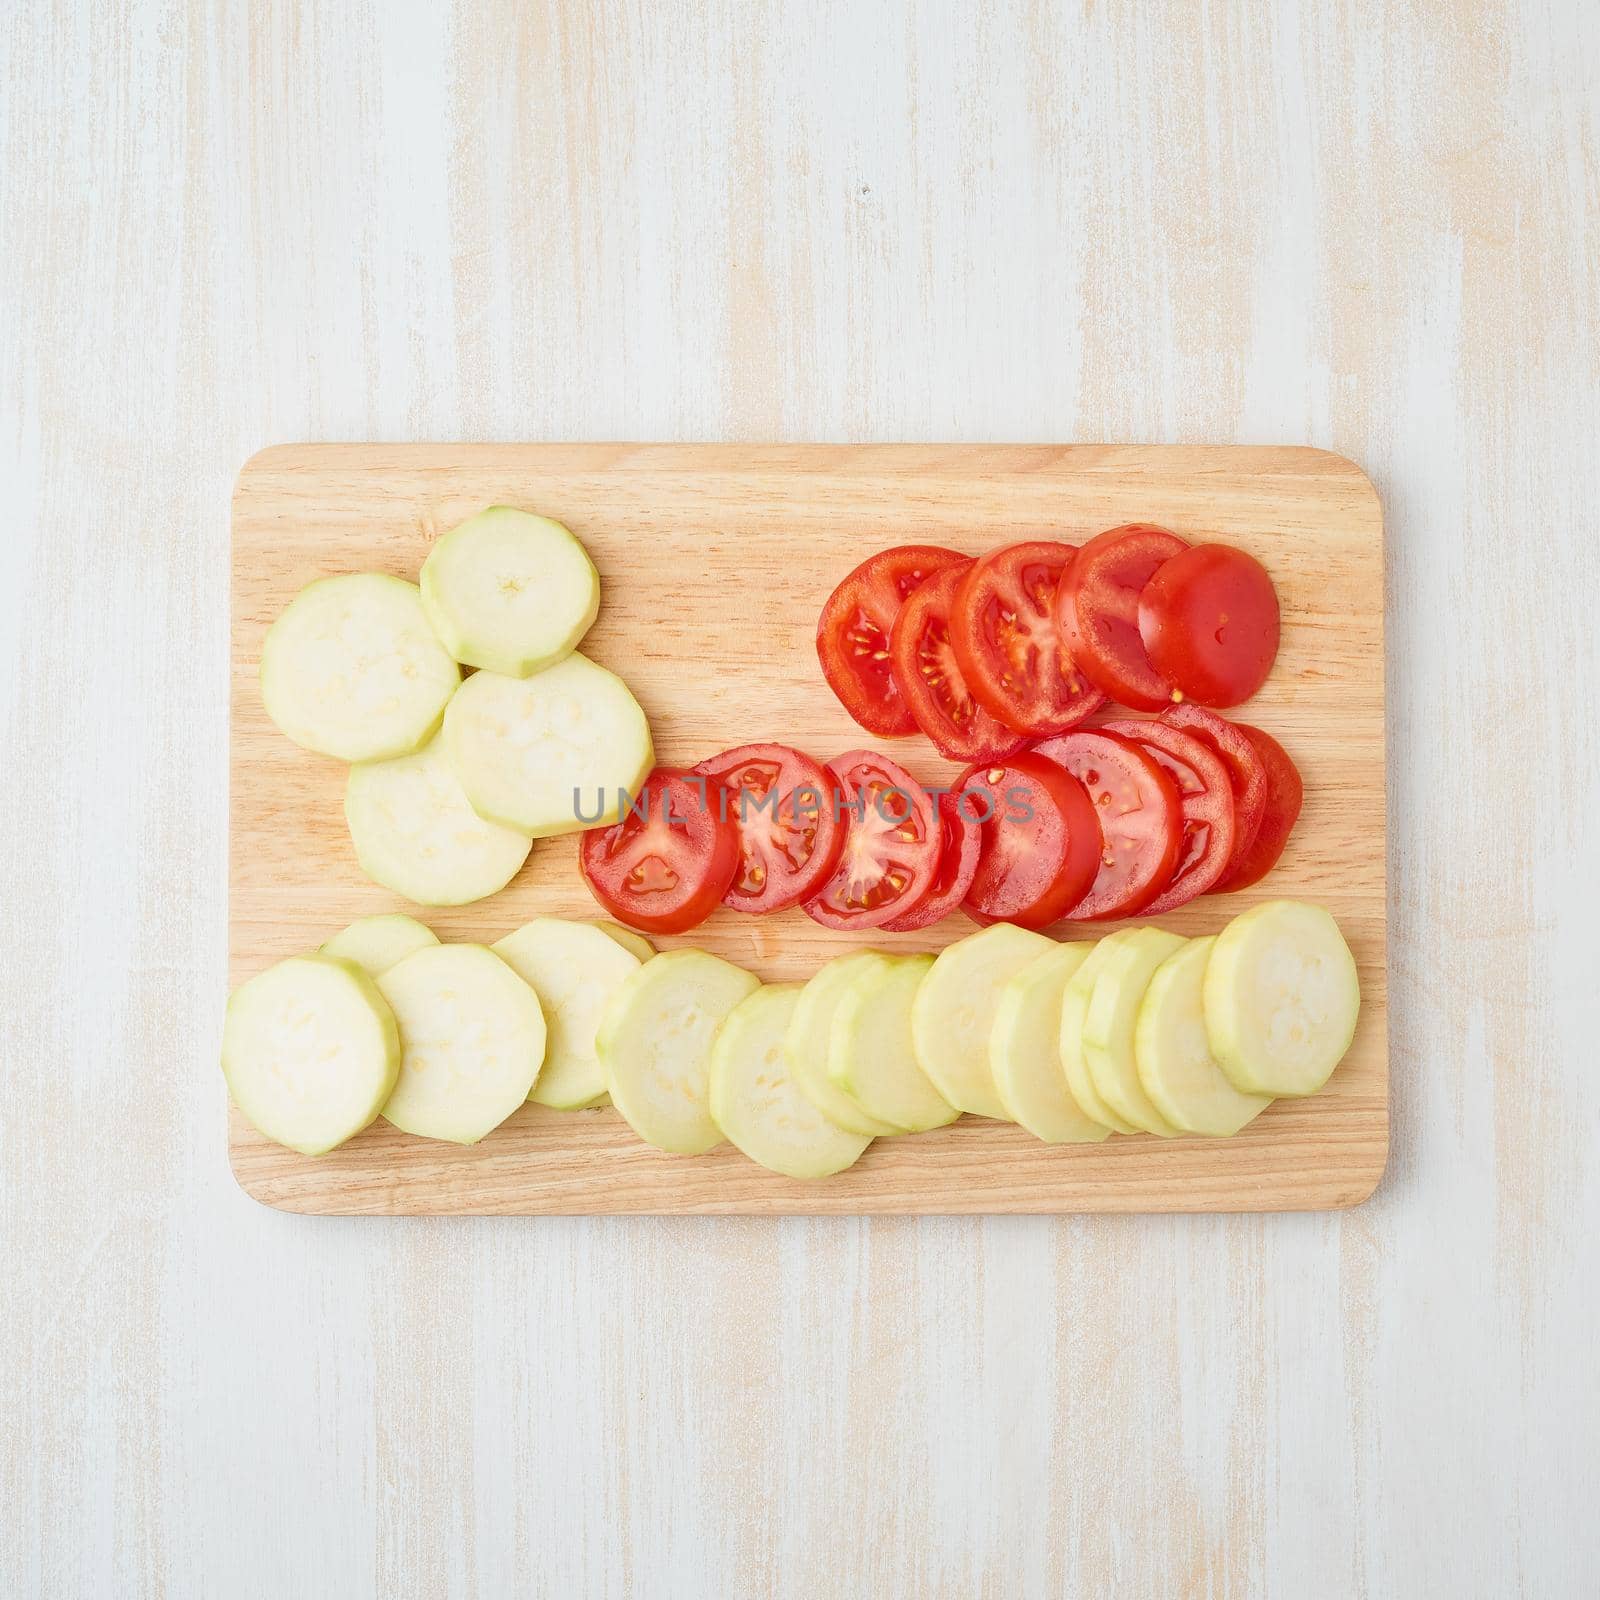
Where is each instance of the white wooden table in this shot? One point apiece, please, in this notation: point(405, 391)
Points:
point(1345, 224)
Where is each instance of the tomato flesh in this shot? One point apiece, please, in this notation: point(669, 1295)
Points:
point(932, 682)
point(1246, 772)
point(667, 864)
point(1285, 794)
point(1097, 612)
point(1041, 842)
point(1205, 798)
point(891, 844)
point(789, 832)
point(1003, 632)
point(1140, 819)
point(959, 840)
point(1208, 620)
point(853, 633)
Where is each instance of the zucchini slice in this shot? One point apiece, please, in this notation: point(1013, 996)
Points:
point(1281, 998)
point(309, 1051)
point(871, 1056)
point(654, 1045)
point(1130, 960)
point(953, 1014)
point(415, 832)
point(574, 968)
point(471, 1042)
point(755, 1100)
point(509, 591)
point(635, 943)
point(810, 1042)
point(1074, 1006)
point(1025, 1050)
point(376, 943)
point(1174, 1057)
point(563, 750)
point(352, 670)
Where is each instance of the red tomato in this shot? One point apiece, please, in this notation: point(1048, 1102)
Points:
point(789, 833)
point(1141, 819)
point(891, 844)
point(1205, 795)
point(959, 840)
point(1246, 772)
point(669, 861)
point(1285, 792)
point(1097, 612)
point(1041, 841)
point(853, 633)
point(1209, 622)
point(930, 677)
point(1003, 631)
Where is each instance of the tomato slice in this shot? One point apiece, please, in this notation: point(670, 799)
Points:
point(931, 679)
point(1003, 632)
point(1097, 611)
point(1209, 623)
point(853, 633)
point(665, 866)
point(1205, 797)
point(1041, 841)
point(1285, 793)
point(959, 841)
point(1141, 819)
point(1246, 771)
point(789, 833)
point(891, 844)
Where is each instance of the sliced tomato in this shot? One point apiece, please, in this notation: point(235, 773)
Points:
point(1246, 772)
point(891, 844)
point(1097, 612)
point(667, 864)
point(1285, 793)
point(1003, 632)
point(931, 679)
point(789, 833)
point(853, 633)
point(1041, 841)
point(1141, 819)
point(1208, 619)
point(1205, 795)
point(959, 841)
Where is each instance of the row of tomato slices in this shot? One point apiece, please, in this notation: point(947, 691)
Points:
point(986, 654)
point(1130, 818)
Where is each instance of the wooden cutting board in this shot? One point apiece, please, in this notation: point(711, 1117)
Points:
point(715, 560)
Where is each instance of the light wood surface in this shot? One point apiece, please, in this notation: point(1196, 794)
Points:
point(1354, 223)
point(714, 562)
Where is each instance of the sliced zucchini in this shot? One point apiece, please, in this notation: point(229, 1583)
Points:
point(654, 1044)
point(510, 591)
point(1131, 958)
point(953, 1014)
point(574, 968)
point(351, 669)
point(415, 832)
point(472, 1042)
point(1174, 1057)
point(754, 1098)
point(376, 943)
point(1281, 998)
point(1025, 1050)
point(870, 1053)
point(1074, 1005)
point(635, 943)
point(811, 1038)
point(309, 1052)
point(565, 749)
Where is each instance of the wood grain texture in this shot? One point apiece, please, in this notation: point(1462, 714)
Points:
point(1369, 225)
point(715, 561)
